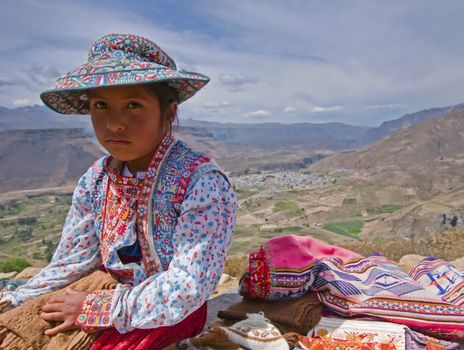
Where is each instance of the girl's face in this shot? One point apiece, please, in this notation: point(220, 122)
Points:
point(127, 121)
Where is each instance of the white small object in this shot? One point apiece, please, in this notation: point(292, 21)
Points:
point(256, 333)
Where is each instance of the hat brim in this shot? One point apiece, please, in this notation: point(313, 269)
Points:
point(69, 95)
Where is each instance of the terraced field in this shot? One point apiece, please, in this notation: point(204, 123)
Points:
point(31, 228)
point(341, 212)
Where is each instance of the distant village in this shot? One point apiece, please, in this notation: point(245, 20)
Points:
point(284, 179)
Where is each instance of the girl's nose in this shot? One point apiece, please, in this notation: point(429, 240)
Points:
point(115, 124)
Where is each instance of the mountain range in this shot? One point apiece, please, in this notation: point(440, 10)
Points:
point(36, 142)
point(428, 156)
point(39, 117)
point(391, 126)
point(314, 136)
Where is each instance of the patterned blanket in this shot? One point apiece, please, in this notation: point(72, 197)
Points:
point(375, 286)
point(429, 300)
point(385, 334)
point(441, 278)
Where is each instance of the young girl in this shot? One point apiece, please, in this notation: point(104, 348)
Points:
point(157, 215)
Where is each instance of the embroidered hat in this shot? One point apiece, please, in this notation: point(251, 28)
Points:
point(115, 60)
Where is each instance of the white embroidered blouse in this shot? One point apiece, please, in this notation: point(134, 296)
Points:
point(201, 239)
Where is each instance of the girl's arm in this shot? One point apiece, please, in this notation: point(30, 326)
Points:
point(202, 237)
point(77, 254)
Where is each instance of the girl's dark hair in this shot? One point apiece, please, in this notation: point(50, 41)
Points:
point(166, 95)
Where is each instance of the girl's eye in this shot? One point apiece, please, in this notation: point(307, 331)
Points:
point(99, 105)
point(133, 105)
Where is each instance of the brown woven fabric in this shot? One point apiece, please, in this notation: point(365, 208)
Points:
point(12, 342)
point(289, 315)
point(25, 329)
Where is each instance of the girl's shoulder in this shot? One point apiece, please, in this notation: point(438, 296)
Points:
point(184, 157)
point(100, 165)
point(181, 146)
point(194, 160)
point(95, 172)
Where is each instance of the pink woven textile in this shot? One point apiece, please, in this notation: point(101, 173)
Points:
point(280, 267)
point(428, 302)
point(297, 252)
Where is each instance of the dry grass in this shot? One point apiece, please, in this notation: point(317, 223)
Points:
point(448, 245)
point(236, 266)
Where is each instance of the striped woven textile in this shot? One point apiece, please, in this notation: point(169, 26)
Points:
point(375, 286)
point(441, 278)
point(372, 286)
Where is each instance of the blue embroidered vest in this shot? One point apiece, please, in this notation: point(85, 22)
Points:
point(175, 167)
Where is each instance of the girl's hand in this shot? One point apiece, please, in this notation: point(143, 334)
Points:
point(64, 308)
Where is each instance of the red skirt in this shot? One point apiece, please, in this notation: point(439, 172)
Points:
point(152, 339)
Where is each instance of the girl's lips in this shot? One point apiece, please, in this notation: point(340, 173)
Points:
point(117, 142)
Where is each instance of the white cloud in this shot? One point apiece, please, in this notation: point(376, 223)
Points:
point(21, 102)
point(323, 50)
point(217, 105)
point(260, 113)
point(386, 106)
point(318, 109)
point(235, 82)
point(289, 109)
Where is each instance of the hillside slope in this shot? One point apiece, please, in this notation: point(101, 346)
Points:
point(428, 156)
point(44, 158)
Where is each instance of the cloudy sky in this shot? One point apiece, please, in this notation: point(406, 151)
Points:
point(358, 62)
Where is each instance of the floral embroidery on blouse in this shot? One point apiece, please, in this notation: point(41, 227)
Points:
point(202, 237)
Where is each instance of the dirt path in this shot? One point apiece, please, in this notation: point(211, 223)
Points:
point(17, 195)
point(10, 218)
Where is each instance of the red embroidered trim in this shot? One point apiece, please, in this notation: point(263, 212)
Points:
point(95, 311)
point(149, 254)
point(120, 197)
point(258, 279)
point(121, 194)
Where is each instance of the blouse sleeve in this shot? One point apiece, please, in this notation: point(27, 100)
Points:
point(77, 253)
point(202, 237)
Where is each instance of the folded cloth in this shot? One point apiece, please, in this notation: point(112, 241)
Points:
point(328, 343)
point(357, 330)
point(23, 328)
point(298, 314)
point(419, 341)
point(280, 267)
point(441, 278)
point(377, 287)
point(397, 336)
point(373, 286)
